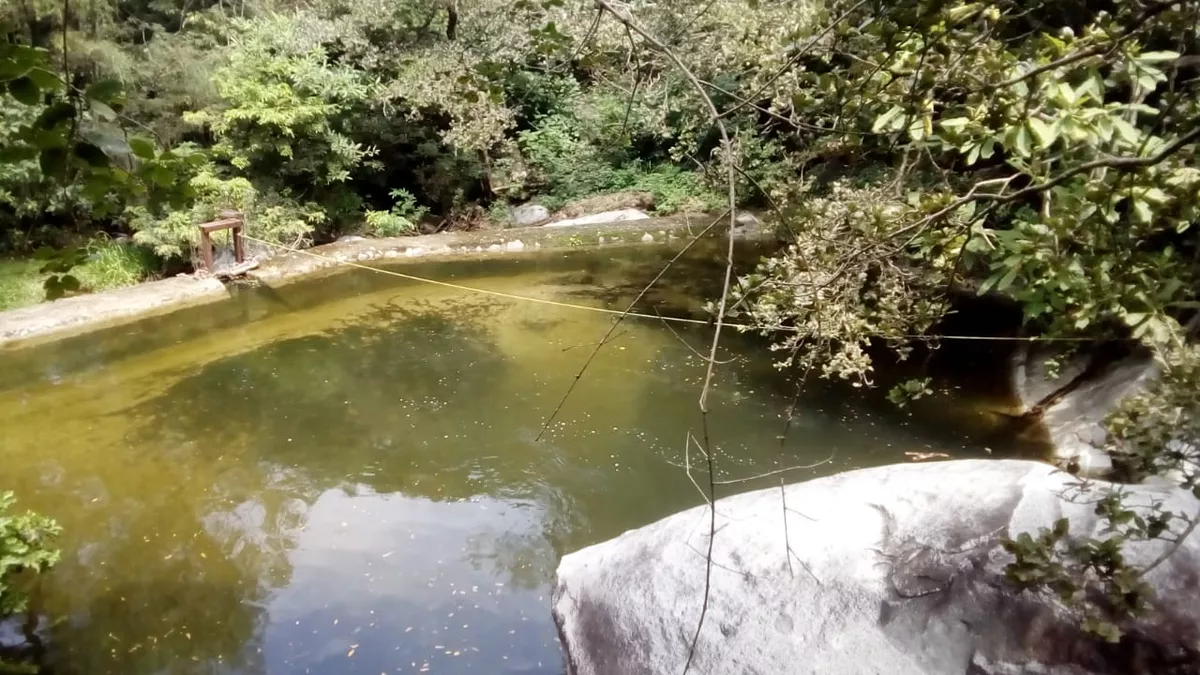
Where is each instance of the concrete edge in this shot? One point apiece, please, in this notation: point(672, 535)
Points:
point(324, 260)
point(67, 317)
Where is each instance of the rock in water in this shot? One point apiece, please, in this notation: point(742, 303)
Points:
point(896, 570)
point(1088, 387)
point(529, 214)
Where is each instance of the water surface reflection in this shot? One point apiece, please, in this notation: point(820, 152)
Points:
point(343, 477)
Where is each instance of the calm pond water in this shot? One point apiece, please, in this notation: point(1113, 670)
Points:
point(343, 476)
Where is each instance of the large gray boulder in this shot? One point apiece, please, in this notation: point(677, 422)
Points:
point(618, 216)
point(529, 214)
point(895, 570)
point(1077, 397)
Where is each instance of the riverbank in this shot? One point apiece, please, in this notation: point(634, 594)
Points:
point(81, 314)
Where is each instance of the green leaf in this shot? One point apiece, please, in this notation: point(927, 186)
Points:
point(1066, 94)
point(1021, 141)
point(44, 79)
point(53, 162)
point(885, 120)
point(105, 91)
point(1061, 527)
point(973, 155)
point(1008, 278)
point(142, 147)
point(988, 148)
point(103, 111)
point(1142, 210)
point(1126, 131)
point(989, 283)
point(24, 90)
point(1044, 133)
point(91, 154)
point(1156, 57)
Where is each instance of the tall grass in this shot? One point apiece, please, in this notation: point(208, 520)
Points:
point(20, 283)
point(110, 264)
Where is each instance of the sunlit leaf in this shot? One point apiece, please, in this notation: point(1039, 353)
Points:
point(142, 147)
point(1044, 133)
point(885, 121)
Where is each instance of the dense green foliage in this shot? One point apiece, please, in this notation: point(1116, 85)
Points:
point(1044, 153)
point(310, 117)
point(25, 546)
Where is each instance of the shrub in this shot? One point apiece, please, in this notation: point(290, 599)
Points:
point(24, 547)
point(388, 224)
point(400, 220)
point(269, 216)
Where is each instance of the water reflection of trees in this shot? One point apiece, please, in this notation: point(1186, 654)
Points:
point(200, 510)
point(340, 407)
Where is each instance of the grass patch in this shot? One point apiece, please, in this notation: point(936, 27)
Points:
point(109, 265)
point(20, 283)
point(115, 265)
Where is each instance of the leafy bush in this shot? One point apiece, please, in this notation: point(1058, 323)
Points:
point(388, 224)
point(24, 547)
point(565, 168)
point(676, 189)
point(270, 216)
point(400, 220)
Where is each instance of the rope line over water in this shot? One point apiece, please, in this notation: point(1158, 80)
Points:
point(617, 312)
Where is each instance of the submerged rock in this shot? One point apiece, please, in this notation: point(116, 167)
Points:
point(606, 217)
point(895, 570)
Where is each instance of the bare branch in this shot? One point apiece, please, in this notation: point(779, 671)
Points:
point(624, 17)
point(747, 479)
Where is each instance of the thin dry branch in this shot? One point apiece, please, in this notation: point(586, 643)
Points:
point(617, 322)
point(776, 472)
point(623, 15)
point(687, 465)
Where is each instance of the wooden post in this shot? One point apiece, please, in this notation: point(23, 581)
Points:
point(232, 221)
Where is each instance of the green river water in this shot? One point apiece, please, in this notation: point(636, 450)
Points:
point(343, 476)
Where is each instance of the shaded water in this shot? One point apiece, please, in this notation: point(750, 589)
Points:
point(343, 476)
